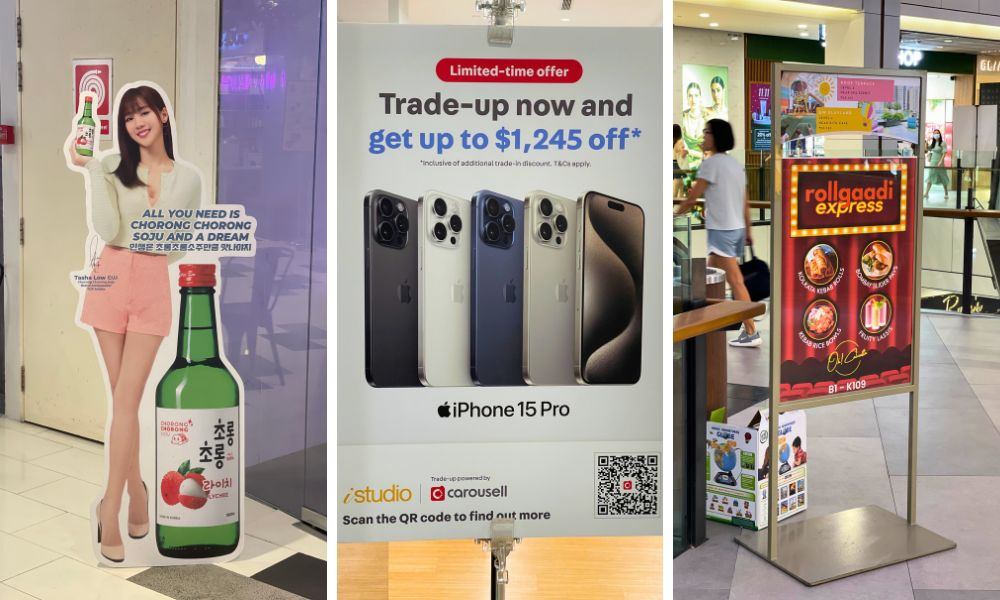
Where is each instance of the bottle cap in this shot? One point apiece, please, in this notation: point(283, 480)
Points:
point(197, 276)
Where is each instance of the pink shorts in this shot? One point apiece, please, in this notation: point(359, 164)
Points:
point(137, 300)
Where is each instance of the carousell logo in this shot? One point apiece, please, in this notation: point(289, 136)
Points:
point(437, 493)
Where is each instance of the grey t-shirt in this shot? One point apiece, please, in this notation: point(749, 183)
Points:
point(726, 189)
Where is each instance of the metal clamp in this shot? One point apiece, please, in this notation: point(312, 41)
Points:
point(500, 543)
point(500, 15)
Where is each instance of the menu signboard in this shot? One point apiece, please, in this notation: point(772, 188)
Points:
point(847, 293)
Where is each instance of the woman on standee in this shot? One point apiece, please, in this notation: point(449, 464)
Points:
point(723, 183)
point(132, 316)
point(680, 161)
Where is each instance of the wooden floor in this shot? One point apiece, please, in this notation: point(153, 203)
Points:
point(626, 568)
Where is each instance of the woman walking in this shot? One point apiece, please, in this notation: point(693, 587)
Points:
point(936, 174)
point(722, 182)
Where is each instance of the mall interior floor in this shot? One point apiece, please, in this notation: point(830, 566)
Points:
point(857, 457)
point(48, 481)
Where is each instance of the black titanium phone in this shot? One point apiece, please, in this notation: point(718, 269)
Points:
point(610, 241)
point(390, 290)
point(497, 282)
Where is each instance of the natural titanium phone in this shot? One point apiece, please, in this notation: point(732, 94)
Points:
point(390, 291)
point(497, 289)
point(444, 239)
point(549, 289)
point(609, 290)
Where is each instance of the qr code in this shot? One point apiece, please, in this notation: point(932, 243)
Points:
point(627, 485)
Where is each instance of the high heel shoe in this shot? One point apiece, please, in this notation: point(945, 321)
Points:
point(137, 532)
point(115, 554)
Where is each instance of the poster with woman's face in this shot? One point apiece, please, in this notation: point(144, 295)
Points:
point(704, 96)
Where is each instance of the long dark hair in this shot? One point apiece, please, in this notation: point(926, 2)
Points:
point(934, 141)
point(132, 100)
point(677, 132)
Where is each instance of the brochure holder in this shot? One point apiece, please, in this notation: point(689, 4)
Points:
point(500, 544)
point(822, 549)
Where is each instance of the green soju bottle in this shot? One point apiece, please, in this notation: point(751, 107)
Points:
point(197, 434)
point(86, 129)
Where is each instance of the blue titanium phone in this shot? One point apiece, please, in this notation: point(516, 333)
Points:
point(497, 289)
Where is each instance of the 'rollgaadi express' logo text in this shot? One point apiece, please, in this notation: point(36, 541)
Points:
point(846, 197)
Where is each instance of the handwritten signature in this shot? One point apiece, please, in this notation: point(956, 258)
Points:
point(845, 360)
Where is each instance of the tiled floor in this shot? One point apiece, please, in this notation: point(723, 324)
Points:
point(47, 482)
point(857, 457)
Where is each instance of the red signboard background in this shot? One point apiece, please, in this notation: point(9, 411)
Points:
point(95, 77)
point(808, 371)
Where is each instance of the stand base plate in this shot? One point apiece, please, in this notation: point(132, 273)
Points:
point(842, 544)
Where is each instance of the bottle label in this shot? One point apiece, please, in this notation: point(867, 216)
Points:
point(85, 137)
point(197, 466)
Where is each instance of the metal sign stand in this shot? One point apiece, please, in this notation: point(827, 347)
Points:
point(830, 547)
point(500, 543)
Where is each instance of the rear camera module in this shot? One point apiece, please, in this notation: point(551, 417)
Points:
point(385, 207)
point(545, 207)
point(508, 223)
point(402, 223)
point(456, 223)
point(440, 207)
point(386, 231)
point(492, 207)
point(545, 231)
point(440, 232)
point(561, 224)
point(492, 232)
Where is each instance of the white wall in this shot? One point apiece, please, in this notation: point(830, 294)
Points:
point(706, 47)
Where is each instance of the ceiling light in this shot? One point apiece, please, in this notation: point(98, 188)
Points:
point(803, 26)
point(804, 34)
point(565, 19)
point(713, 24)
point(947, 41)
point(734, 37)
point(939, 47)
point(704, 15)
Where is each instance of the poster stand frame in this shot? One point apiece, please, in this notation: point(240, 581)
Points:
point(830, 547)
point(500, 544)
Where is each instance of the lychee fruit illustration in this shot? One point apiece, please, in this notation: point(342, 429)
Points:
point(170, 487)
point(185, 485)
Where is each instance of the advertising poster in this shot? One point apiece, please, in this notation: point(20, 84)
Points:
point(94, 78)
point(149, 288)
point(705, 93)
point(847, 275)
point(760, 116)
point(824, 103)
point(499, 228)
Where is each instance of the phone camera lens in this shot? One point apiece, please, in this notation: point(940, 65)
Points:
point(561, 224)
point(402, 223)
point(545, 231)
point(386, 231)
point(385, 207)
point(440, 207)
point(558, 240)
point(456, 223)
point(453, 240)
point(440, 231)
point(492, 207)
point(492, 232)
point(508, 223)
point(545, 207)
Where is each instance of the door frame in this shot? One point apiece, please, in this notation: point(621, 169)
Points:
point(10, 114)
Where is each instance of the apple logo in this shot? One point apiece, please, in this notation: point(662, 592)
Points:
point(458, 293)
point(444, 411)
point(510, 292)
point(562, 291)
point(404, 292)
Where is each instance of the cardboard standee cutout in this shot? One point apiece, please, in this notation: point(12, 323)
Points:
point(129, 295)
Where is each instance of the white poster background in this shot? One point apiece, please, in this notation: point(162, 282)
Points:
point(394, 437)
